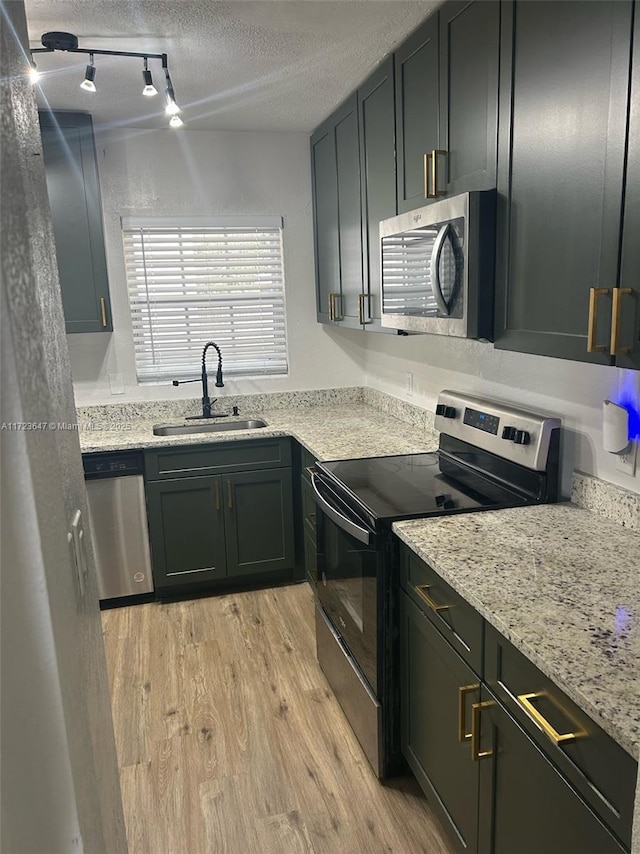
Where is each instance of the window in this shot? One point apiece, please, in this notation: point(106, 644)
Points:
point(197, 280)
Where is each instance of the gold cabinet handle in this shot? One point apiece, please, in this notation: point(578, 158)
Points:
point(476, 711)
point(229, 495)
point(333, 310)
point(217, 490)
point(618, 293)
point(463, 735)
point(432, 167)
point(425, 175)
point(331, 317)
point(309, 470)
point(421, 590)
point(525, 701)
point(312, 519)
point(103, 311)
point(594, 295)
point(361, 309)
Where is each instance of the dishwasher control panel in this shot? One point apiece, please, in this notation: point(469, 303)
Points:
point(112, 464)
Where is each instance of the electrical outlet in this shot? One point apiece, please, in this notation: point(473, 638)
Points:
point(408, 383)
point(627, 462)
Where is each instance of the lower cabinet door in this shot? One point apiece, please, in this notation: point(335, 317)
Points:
point(259, 523)
point(438, 689)
point(526, 805)
point(186, 531)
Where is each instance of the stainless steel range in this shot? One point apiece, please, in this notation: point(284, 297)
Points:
point(490, 456)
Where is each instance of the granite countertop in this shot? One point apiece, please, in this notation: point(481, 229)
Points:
point(328, 432)
point(561, 583)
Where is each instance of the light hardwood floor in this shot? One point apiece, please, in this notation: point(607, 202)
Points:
point(230, 740)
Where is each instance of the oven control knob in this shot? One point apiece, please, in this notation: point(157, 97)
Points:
point(509, 433)
point(522, 437)
point(446, 411)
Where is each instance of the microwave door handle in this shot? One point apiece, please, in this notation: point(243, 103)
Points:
point(436, 254)
point(358, 533)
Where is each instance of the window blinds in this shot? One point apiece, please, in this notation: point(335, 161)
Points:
point(192, 283)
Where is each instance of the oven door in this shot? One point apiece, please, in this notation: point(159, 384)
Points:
point(348, 578)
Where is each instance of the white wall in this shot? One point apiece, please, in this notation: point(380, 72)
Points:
point(200, 173)
point(571, 390)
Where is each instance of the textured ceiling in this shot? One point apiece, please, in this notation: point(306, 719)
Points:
point(240, 65)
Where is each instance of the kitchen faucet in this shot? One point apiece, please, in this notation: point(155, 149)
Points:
point(207, 403)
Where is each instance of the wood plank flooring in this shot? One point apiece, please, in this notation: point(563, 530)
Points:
point(230, 740)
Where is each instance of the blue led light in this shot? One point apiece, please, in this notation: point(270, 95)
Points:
point(628, 398)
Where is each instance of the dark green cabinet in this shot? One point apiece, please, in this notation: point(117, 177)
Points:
point(220, 514)
point(469, 64)
point(259, 521)
point(481, 736)
point(186, 530)
point(435, 680)
point(416, 75)
point(74, 197)
point(376, 113)
point(308, 502)
point(628, 350)
point(564, 97)
point(447, 103)
point(337, 216)
point(526, 804)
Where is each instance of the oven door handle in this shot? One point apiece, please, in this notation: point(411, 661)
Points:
point(358, 533)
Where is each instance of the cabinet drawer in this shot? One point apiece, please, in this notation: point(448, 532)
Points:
point(601, 771)
point(198, 460)
point(458, 621)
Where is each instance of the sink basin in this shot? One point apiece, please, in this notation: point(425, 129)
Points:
point(209, 427)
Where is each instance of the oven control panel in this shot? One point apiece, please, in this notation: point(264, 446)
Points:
point(515, 434)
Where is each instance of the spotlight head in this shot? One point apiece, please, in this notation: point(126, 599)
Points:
point(87, 84)
point(149, 89)
point(175, 121)
point(172, 109)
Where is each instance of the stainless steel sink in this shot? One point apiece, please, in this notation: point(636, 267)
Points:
point(209, 427)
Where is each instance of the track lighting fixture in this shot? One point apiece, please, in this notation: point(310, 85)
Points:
point(88, 84)
point(68, 42)
point(149, 89)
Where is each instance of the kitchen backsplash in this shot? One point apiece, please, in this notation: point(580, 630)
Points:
point(606, 499)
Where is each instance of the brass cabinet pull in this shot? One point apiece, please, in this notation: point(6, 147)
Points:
point(361, 309)
point(309, 470)
point(311, 518)
point(463, 735)
point(331, 307)
point(618, 293)
point(425, 174)
point(217, 489)
point(103, 311)
point(594, 294)
point(333, 311)
point(433, 158)
point(525, 701)
point(421, 590)
point(476, 711)
point(229, 495)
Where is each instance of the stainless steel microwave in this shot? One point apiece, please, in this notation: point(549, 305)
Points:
point(437, 267)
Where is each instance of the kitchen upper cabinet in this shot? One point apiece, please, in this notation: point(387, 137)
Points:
point(376, 114)
point(74, 197)
point(335, 153)
point(469, 60)
point(564, 96)
point(628, 332)
point(447, 103)
point(416, 78)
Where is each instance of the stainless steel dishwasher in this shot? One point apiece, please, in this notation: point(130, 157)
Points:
point(118, 512)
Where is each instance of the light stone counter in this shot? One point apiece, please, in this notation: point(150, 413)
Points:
point(352, 429)
point(561, 583)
